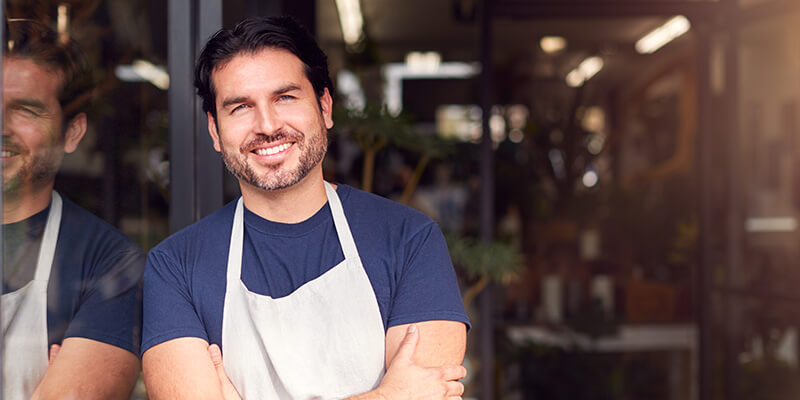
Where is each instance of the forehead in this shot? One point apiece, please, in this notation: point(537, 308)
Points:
point(23, 77)
point(262, 69)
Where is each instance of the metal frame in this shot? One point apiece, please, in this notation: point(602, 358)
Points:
point(2, 40)
point(487, 171)
point(195, 168)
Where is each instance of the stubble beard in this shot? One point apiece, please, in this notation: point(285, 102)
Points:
point(277, 177)
point(35, 169)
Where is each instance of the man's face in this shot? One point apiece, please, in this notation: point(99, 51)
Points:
point(270, 127)
point(33, 143)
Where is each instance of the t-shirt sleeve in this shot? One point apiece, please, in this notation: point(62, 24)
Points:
point(427, 289)
point(110, 307)
point(169, 311)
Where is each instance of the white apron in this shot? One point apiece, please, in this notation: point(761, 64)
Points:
point(24, 318)
point(325, 340)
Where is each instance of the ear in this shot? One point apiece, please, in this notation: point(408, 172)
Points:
point(212, 131)
point(326, 103)
point(74, 133)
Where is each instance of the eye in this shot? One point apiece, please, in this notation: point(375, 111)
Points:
point(240, 107)
point(26, 111)
point(285, 97)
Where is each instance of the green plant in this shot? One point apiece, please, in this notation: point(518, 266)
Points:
point(483, 263)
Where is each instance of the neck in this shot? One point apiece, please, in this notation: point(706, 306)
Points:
point(291, 205)
point(22, 203)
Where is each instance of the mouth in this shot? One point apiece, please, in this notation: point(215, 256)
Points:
point(273, 150)
point(8, 153)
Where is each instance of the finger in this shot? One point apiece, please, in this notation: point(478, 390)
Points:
point(454, 388)
point(216, 355)
point(406, 350)
point(453, 372)
point(54, 349)
point(228, 390)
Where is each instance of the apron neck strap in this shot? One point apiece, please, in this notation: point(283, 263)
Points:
point(342, 227)
point(237, 233)
point(236, 243)
point(47, 249)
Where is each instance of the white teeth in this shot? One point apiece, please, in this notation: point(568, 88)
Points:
point(273, 150)
point(6, 154)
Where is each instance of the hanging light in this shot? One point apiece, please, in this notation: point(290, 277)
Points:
point(659, 37)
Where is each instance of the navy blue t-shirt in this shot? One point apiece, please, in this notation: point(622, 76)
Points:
point(403, 252)
point(95, 287)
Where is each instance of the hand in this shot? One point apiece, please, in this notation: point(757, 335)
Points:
point(406, 380)
point(51, 357)
point(228, 390)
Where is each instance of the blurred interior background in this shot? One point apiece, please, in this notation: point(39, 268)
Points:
point(619, 180)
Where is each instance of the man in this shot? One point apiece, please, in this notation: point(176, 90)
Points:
point(70, 281)
point(308, 288)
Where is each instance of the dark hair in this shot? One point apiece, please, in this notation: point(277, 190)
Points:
point(252, 35)
point(30, 39)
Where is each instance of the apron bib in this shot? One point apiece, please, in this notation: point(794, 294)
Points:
point(325, 340)
point(24, 319)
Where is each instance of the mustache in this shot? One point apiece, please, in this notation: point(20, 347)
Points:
point(262, 139)
point(12, 146)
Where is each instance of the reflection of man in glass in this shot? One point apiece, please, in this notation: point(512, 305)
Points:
point(70, 281)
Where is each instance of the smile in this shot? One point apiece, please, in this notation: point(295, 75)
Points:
point(272, 150)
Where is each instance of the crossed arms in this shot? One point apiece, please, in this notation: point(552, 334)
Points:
point(421, 364)
point(87, 369)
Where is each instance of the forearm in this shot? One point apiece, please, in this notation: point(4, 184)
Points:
point(180, 369)
point(88, 369)
point(371, 395)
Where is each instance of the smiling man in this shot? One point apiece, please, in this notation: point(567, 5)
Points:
point(312, 290)
point(70, 280)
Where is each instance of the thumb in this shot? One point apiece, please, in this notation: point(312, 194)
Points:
point(228, 390)
point(51, 357)
point(216, 356)
point(406, 350)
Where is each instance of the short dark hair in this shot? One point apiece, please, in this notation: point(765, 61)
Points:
point(252, 35)
point(31, 39)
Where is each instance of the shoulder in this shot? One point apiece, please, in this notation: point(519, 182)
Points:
point(375, 211)
point(200, 237)
point(80, 228)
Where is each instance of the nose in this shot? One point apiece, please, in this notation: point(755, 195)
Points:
point(268, 120)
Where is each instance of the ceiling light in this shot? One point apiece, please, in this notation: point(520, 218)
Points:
point(143, 71)
point(662, 35)
point(585, 71)
point(351, 20)
point(552, 44)
point(423, 62)
point(771, 224)
point(62, 22)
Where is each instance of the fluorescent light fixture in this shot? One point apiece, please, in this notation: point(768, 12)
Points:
point(394, 73)
point(62, 22)
point(143, 71)
point(552, 44)
point(424, 62)
point(351, 20)
point(587, 69)
point(771, 224)
point(662, 35)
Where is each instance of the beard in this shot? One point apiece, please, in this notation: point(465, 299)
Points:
point(278, 176)
point(34, 169)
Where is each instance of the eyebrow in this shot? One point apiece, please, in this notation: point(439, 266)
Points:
point(32, 103)
point(243, 99)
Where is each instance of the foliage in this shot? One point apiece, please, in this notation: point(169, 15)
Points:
point(495, 261)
